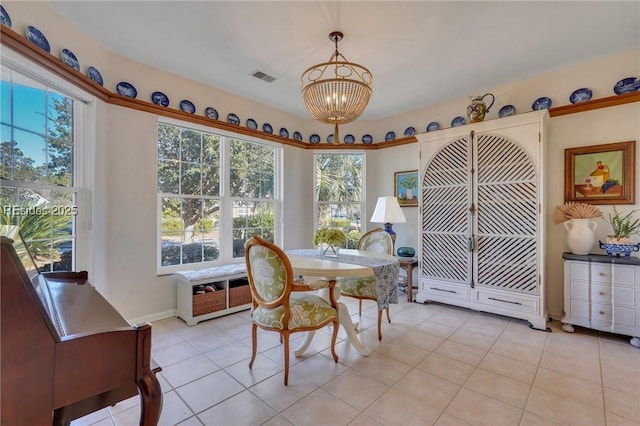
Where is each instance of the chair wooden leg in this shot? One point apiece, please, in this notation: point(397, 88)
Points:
point(285, 336)
point(360, 307)
point(379, 325)
point(334, 337)
point(254, 344)
point(388, 317)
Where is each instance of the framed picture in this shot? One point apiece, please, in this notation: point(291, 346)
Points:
point(600, 174)
point(405, 188)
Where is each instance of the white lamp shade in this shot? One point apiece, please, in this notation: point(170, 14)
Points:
point(388, 211)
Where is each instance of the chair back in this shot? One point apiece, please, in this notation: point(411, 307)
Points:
point(269, 273)
point(377, 240)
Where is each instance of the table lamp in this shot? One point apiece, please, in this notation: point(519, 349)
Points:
point(388, 211)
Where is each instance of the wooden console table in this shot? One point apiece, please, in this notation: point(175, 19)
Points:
point(408, 263)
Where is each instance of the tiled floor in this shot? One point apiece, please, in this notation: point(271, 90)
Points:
point(436, 364)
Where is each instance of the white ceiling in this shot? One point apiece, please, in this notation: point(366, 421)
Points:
point(419, 52)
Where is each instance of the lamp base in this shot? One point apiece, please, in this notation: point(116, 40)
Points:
point(391, 232)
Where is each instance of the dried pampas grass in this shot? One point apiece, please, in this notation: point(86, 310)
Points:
point(571, 210)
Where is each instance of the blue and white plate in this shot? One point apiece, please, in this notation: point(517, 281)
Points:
point(541, 103)
point(266, 127)
point(390, 136)
point(211, 113)
point(70, 59)
point(410, 131)
point(349, 139)
point(187, 106)
point(580, 95)
point(506, 111)
point(284, 132)
point(314, 138)
point(251, 124)
point(160, 98)
point(36, 37)
point(434, 125)
point(94, 75)
point(5, 19)
point(626, 85)
point(233, 119)
point(367, 139)
point(297, 136)
point(458, 121)
point(330, 138)
point(126, 89)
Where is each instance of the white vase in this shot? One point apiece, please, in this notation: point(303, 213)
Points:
point(580, 238)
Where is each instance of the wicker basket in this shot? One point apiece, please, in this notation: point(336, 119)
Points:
point(240, 295)
point(208, 302)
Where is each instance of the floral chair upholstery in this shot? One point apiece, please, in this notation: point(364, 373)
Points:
point(364, 288)
point(280, 304)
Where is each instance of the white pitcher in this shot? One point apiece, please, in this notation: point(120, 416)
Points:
point(580, 238)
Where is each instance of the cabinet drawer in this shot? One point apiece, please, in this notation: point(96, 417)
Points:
point(446, 290)
point(601, 312)
point(603, 273)
point(617, 295)
point(514, 303)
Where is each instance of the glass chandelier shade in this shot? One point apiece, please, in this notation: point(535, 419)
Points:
point(338, 91)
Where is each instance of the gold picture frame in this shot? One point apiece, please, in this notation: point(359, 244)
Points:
point(405, 188)
point(600, 174)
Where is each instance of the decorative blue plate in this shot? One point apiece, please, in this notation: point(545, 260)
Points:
point(390, 136)
point(36, 37)
point(94, 75)
point(70, 59)
point(5, 19)
point(330, 138)
point(367, 139)
point(211, 113)
point(507, 111)
point(410, 131)
point(626, 85)
point(580, 95)
point(434, 125)
point(126, 89)
point(541, 103)
point(266, 127)
point(349, 139)
point(458, 121)
point(187, 106)
point(314, 138)
point(160, 98)
point(233, 119)
point(251, 124)
point(297, 136)
point(284, 132)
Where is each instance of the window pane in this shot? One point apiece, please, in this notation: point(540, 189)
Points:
point(168, 142)
point(29, 108)
point(168, 177)
point(191, 148)
point(339, 177)
point(190, 179)
point(29, 157)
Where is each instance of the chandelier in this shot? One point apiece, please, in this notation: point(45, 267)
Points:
point(337, 91)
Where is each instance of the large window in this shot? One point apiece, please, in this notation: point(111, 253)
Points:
point(215, 192)
point(339, 193)
point(39, 181)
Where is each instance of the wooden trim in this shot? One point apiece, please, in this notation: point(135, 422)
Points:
point(20, 44)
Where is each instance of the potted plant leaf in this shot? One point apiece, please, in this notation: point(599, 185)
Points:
point(624, 225)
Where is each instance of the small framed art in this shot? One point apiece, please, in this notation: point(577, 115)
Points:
point(405, 188)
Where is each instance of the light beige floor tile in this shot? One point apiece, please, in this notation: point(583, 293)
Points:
point(191, 421)
point(532, 419)
point(230, 354)
point(364, 420)
point(487, 325)
point(263, 368)
point(478, 409)
point(498, 387)
point(428, 388)
point(188, 370)
point(209, 390)
point(447, 419)
point(622, 403)
point(243, 409)
point(398, 408)
point(623, 377)
point(452, 317)
point(319, 369)
point(320, 407)
point(436, 328)
point(356, 389)
point(211, 341)
point(93, 418)
point(519, 333)
point(461, 352)
point(382, 368)
point(403, 351)
point(472, 338)
point(174, 353)
point(280, 397)
point(562, 409)
point(526, 353)
point(278, 421)
point(518, 370)
point(616, 420)
point(164, 339)
point(446, 368)
point(571, 367)
point(574, 350)
point(127, 417)
point(569, 386)
point(422, 340)
point(174, 410)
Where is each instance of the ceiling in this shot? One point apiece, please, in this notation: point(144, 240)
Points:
point(419, 52)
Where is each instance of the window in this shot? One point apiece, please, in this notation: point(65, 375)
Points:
point(39, 162)
point(215, 192)
point(339, 193)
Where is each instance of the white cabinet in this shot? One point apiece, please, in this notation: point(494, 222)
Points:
point(482, 217)
point(602, 293)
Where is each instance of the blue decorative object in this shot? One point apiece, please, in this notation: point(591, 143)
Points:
point(126, 89)
point(541, 103)
point(284, 132)
point(211, 113)
point(94, 75)
point(391, 135)
point(36, 37)
point(580, 95)
point(70, 59)
point(266, 127)
point(458, 121)
point(410, 131)
point(406, 251)
point(187, 106)
point(233, 119)
point(506, 111)
point(330, 138)
point(160, 98)
point(626, 85)
point(314, 138)
point(349, 139)
point(297, 136)
point(619, 248)
point(367, 139)
point(434, 125)
point(251, 124)
point(5, 19)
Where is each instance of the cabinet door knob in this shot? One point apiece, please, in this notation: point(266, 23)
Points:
point(601, 274)
point(601, 293)
point(601, 312)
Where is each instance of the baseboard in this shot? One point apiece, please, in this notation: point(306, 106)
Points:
point(153, 317)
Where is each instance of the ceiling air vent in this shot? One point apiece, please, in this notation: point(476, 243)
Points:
point(263, 76)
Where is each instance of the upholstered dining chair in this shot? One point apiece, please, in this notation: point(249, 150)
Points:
point(364, 288)
point(281, 304)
